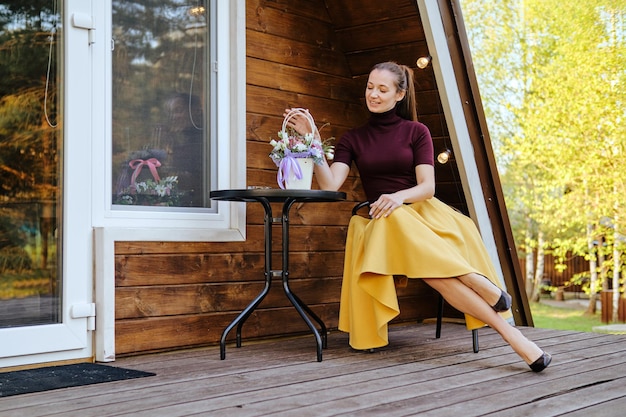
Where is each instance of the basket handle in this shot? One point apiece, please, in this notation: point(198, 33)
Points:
point(302, 112)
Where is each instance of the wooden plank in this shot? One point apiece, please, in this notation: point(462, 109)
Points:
point(361, 62)
point(263, 128)
point(378, 392)
point(277, 76)
point(415, 374)
point(295, 53)
point(425, 81)
point(162, 333)
point(291, 22)
point(188, 269)
point(497, 403)
point(154, 301)
point(406, 29)
point(611, 408)
point(309, 230)
point(428, 105)
point(259, 100)
point(277, 384)
point(207, 300)
point(434, 123)
point(305, 8)
point(450, 193)
point(348, 13)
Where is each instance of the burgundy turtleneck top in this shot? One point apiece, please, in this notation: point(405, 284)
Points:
point(386, 151)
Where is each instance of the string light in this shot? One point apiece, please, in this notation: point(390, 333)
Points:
point(197, 11)
point(423, 61)
point(444, 156)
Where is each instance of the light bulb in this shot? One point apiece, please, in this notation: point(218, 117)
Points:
point(197, 11)
point(423, 62)
point(444, 156)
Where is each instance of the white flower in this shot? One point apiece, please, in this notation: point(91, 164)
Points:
point(161, 190)
point(141, 186)
point(306, 145)
point(300, 147)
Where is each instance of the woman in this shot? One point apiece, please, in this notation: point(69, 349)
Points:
point(410, 232)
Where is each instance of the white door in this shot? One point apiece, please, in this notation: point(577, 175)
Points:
point(46, 268)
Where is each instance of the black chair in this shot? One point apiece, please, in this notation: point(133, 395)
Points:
point(441, 301)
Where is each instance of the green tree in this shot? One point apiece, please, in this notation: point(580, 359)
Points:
point(555, 112)
point(28, 152)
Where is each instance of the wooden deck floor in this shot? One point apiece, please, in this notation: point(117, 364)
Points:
point(415, 375)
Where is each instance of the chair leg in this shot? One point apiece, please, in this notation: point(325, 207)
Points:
point(475, 340)
point(440, 320)
point(439, 317)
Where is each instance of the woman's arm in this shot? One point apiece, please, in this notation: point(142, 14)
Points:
point(331, 177)
point(424, 190)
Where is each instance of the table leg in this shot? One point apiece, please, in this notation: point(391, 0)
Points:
point(301, 308)
point(311, 313)
point(297, 302)
point(243, 316)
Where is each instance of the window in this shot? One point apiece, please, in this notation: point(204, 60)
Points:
point(177, 88)
point(161, 80)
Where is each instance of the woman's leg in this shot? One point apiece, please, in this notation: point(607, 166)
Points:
point(486, 289)
point(468, 301)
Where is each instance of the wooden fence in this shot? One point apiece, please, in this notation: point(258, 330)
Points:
point(562, 277)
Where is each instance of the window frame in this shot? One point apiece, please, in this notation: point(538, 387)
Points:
point(222, 222)
point(227, 223)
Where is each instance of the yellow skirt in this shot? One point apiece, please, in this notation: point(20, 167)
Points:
point(428, 239)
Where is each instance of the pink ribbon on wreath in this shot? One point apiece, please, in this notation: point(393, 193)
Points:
point(138, 164)
point(287, 166)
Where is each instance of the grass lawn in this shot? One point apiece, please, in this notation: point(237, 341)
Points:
point(563, 318)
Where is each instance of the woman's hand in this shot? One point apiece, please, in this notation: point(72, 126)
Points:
point(425, 189)
point(298, 123)
point(385, 205)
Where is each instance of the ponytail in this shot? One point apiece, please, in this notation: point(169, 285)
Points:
point(408, 105)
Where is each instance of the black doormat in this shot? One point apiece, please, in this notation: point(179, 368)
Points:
point(64, 376)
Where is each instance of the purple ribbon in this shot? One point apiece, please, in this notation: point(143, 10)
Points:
point(288, 165)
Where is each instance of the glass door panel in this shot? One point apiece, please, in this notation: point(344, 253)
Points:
point(31, 139)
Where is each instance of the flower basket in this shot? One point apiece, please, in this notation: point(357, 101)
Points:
point(295, 154)
point(153, 191)
point(305, 166)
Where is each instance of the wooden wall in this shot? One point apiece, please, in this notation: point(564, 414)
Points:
point(300, 53)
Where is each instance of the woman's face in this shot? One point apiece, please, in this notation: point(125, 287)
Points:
point(381, 94)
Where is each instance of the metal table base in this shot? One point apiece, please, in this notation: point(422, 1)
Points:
point(288, 198)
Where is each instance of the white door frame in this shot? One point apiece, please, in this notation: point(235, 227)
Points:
point(70, 339)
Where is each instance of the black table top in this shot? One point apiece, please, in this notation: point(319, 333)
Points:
point(277, 195)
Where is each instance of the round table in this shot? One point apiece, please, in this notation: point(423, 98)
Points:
point(266, 196)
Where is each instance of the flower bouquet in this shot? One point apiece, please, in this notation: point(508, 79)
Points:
point(294, 154)
point(154, 191)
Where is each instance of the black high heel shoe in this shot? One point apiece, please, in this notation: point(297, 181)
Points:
point(504, 302)
point(541, 363)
